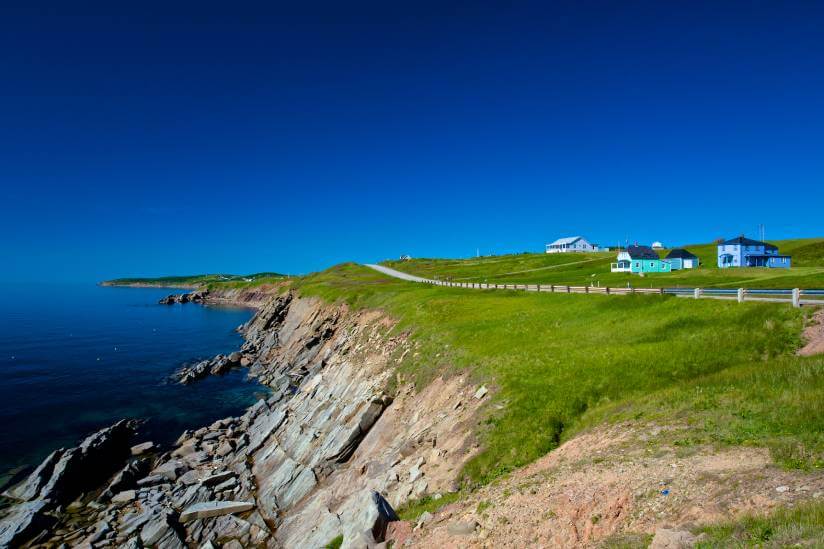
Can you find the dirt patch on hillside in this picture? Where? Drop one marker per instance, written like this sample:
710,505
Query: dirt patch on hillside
814,336
611,482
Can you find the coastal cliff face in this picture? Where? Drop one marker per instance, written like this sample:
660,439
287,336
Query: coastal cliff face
331,435
327,454
255,296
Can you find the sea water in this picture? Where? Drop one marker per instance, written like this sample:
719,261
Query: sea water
77,357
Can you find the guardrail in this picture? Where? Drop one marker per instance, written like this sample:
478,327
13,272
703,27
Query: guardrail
796,296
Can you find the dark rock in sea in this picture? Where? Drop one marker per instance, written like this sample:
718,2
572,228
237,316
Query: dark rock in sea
62,477
192,297
65,474
29,488
14,476
218,365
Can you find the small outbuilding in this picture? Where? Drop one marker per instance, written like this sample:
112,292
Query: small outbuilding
681,258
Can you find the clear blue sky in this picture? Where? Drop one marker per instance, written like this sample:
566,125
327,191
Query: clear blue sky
196,139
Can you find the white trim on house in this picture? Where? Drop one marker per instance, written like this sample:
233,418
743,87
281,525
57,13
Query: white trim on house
624,264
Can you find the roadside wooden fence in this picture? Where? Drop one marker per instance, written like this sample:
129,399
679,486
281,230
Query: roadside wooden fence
796,296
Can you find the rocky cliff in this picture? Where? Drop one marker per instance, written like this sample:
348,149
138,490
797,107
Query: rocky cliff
329,453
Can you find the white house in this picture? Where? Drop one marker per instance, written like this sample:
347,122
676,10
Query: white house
570,244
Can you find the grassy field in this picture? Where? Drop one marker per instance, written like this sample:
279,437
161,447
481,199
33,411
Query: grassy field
584,269
559,363
799,527
197,280
776,404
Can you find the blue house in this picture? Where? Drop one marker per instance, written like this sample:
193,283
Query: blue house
746,252
640,259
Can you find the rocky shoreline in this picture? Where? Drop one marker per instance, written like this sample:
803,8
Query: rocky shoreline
329,453
199,296
218,365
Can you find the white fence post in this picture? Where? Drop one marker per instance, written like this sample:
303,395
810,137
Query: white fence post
740,295
796,297
696,293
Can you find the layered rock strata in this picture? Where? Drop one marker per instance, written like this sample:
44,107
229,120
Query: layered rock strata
329,453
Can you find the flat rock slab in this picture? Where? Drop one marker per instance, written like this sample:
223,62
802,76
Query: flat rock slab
140,449
214,509
153,480
124,497
218,478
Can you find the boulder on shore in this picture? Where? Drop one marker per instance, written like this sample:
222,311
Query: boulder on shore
368,524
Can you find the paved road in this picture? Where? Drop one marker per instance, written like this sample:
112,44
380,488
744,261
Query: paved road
397,274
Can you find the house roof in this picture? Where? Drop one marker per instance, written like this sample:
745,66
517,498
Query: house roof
744,241
681,253
642,252
566,240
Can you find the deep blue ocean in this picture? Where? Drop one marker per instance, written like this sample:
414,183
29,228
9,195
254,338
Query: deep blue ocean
75,358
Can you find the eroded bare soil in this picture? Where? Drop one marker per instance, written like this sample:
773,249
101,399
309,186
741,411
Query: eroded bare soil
612,482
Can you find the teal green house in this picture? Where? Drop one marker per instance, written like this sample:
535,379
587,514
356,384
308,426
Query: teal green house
640,259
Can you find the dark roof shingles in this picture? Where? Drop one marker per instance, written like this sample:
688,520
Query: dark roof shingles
642,252
681,253
743,240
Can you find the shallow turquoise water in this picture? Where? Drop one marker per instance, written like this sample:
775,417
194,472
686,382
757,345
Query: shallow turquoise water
74,358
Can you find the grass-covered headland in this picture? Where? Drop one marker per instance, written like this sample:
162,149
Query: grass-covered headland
560,363
197,281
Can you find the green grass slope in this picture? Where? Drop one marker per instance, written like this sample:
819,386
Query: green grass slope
585,269
802,526
560,363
